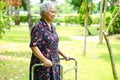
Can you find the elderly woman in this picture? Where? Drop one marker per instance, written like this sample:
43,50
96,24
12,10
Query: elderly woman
44,45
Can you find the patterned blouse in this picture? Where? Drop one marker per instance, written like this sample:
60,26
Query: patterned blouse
47,42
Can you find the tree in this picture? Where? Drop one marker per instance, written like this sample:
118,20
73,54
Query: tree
76,4
16,4
101,23
24,4
85,13
85,10
41,1
83,7
4,18
111,58
115,21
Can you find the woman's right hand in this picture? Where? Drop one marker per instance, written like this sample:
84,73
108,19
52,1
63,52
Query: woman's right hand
47,63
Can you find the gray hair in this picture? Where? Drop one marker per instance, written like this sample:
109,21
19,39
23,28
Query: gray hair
45,6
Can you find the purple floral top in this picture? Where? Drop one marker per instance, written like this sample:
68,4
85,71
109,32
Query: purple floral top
47,42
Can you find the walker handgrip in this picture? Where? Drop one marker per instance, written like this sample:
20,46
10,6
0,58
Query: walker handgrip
38,65
69,59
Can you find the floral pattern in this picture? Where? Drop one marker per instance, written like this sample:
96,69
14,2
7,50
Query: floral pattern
47,42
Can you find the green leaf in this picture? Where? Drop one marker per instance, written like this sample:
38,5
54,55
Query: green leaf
2,5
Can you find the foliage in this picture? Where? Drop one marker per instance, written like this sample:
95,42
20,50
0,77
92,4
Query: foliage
115,29
2,5
4,19
86,7
76,19
82,19
24,4
35,8
24,18
107,21
116,23
108,18
95,18
73,19
111,8
76,4
59,19
67,8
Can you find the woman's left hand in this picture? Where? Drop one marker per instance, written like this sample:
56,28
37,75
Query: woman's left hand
67,58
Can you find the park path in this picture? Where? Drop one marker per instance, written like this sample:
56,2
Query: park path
95,38
88,38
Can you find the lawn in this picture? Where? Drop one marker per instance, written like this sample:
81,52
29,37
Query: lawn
15,54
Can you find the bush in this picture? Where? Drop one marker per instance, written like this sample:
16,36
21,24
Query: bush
116,23
107,21
115,29
24,18
95,19
59,20
82,19
73,19
76,19
35,18
4,19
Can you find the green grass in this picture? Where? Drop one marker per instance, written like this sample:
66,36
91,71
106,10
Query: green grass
14,69
15,54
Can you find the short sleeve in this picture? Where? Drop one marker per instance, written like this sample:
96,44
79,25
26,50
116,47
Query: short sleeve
35,37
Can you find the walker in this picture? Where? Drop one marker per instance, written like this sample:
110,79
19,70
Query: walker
61,69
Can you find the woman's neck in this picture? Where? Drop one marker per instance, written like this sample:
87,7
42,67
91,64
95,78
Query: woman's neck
48,23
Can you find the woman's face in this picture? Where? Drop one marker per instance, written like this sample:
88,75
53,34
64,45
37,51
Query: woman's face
49,16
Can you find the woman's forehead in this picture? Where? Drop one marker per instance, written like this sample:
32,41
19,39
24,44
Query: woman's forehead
52,8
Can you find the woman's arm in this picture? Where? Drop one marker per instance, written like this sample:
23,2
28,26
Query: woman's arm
63,55
38,54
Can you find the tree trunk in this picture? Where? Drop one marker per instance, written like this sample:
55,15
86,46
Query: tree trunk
111,58
85,31
104,15
29,15
24,4
101,24
17,18
91,3
7,8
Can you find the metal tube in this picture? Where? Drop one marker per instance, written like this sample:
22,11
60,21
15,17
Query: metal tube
61,68
75,67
